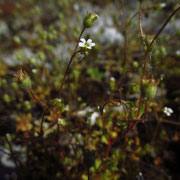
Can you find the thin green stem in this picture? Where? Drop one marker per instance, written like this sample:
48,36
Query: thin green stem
42,121
66,72
155,37
70,61
88,173
139,107
37,99
140,26
163,26
125,34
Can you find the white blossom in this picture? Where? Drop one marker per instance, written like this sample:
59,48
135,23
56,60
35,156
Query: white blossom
167,111
61,121
86,44
93,118
59,100
163,5
34,70
112,79
178,52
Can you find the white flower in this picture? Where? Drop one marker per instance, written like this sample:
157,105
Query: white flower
93,118
86,44
178,52
34,70
112,79
168,111
61,122
163,5
59,100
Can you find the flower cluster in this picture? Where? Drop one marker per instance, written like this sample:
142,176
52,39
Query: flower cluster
167,111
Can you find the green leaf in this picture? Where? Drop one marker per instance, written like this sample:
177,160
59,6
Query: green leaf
104,139
97,164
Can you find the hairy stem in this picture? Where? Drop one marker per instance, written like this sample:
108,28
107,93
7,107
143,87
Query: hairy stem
125,34
139,107
163,26
71,60
66,72
155,37
140,26
88,173
37,99
42,121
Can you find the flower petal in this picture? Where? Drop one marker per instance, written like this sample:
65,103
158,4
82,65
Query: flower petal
92,44
83,40
89,47
81,44
89,41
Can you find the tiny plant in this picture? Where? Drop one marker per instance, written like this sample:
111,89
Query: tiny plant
64,136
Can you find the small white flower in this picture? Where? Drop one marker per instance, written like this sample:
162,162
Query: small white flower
167,111
59,100
178,52
112,79
93,118
34,70
140,176
86,44
163,5
60,121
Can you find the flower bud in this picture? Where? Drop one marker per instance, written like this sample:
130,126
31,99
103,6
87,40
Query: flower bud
90,19
149,87
24,79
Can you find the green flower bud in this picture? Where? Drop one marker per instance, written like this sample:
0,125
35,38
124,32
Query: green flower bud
7,98
27,105
149,87
41,56
134,87
24,79
162,51
149,91
135,64
26,83
17,40
90,19
15,85
85,52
